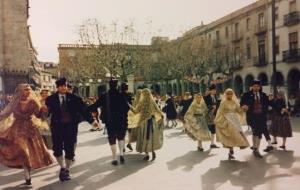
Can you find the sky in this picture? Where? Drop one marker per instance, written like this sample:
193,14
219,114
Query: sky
54,22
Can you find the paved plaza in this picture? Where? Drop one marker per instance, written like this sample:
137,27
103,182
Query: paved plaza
178,167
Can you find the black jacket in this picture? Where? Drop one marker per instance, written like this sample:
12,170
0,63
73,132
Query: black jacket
209,103
75,105
114,108
249,98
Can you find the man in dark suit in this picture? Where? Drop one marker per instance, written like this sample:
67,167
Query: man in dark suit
212,103
114,110
256,103
66,111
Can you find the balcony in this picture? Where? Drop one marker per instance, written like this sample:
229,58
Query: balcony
260,30
260,61
216,43
236,37
292,18
291,56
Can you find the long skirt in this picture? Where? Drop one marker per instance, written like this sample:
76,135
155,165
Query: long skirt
281,126
149,136
229,132
22,145
197,128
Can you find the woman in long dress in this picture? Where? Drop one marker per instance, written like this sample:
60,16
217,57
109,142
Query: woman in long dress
196,124
149,123
21,145
229,121
45,130
281,125
133,117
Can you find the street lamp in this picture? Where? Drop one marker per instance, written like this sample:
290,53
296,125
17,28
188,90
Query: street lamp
274,48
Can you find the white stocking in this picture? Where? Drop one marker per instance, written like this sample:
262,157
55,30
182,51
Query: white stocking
26,173
113,151
60,161
68,164
200,144
121,147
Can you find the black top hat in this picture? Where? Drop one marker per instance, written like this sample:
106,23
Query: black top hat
113,83
212,87
256,82
61,82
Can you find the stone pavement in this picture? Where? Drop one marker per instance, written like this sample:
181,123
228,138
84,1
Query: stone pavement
178,167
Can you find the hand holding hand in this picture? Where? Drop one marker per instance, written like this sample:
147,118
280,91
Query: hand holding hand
245,107
44,109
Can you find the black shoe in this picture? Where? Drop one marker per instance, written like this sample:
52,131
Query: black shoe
67,175
275,142
200,149
146,158
268,149
28,181
153,156
129,147
114,163
62,174
282,147
257,154
122,160
214,146
252,148
230,156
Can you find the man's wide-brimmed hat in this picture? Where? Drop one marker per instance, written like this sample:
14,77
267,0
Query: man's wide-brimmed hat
61,82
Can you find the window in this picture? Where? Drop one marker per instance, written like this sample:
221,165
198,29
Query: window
248,51
248,24
237,55
293,40
226,32
293,6
261,51
217,35
236,30
277,45
261,20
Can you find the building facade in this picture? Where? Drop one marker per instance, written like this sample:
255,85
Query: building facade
241,45
16,52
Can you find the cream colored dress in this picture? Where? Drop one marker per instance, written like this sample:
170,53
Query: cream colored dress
229,120
196,124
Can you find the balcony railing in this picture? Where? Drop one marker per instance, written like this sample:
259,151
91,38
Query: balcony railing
236,37
260,30
292,18
260,61
291,56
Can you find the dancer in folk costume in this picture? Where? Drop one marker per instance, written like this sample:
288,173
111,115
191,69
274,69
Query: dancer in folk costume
21,145
170,110
212,103
196,124
256,104
66,111
132,118
46,133
229,121
281,125
148,119
114,109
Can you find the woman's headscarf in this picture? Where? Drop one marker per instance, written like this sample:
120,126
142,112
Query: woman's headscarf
145,109
7,118
225,102
192,109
